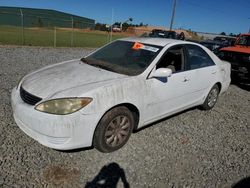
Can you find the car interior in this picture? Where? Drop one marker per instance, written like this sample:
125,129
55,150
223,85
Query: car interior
173,59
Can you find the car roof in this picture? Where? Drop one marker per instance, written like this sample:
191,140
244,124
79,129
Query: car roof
210,42
245,34
155,41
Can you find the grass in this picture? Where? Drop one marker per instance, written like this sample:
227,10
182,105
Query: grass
45,37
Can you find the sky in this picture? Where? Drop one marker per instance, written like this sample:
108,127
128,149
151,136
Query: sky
230,16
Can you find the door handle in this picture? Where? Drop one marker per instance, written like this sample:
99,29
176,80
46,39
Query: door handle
186,80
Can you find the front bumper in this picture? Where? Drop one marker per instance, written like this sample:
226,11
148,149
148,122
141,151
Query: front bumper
63,132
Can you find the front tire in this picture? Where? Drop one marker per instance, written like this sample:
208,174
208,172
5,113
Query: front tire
113,130
212,98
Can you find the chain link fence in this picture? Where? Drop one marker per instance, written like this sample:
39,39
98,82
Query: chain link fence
20,28
39,27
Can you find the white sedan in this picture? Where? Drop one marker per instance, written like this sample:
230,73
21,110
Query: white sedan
101,99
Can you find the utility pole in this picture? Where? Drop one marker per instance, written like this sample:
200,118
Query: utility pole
72,31
54,36
21,12
111,28
249,27
173,15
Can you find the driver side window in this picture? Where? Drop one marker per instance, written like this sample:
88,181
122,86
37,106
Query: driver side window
173,59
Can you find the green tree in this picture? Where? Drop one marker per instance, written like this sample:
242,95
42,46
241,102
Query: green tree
125,26
101,27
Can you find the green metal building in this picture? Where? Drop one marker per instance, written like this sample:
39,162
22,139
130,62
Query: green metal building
31,17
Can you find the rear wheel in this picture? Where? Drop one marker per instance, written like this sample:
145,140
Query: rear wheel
212,98
113,130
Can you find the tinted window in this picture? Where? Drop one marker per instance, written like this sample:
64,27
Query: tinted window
197,57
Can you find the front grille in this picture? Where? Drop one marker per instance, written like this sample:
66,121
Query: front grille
29,98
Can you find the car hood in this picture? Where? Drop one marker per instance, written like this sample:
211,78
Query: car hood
64,76
237,48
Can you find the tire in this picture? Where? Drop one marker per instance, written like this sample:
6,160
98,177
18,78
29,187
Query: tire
212,98
113,130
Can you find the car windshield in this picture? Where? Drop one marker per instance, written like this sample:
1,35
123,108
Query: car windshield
123,57
243,40
221,39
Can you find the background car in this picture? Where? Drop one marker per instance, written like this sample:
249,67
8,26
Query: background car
239,57
212,45
166,34
225,40
102,98
218,42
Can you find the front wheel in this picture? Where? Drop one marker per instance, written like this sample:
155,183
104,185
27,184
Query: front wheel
113,130
212,98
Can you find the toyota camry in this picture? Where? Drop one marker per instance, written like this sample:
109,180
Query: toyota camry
100,99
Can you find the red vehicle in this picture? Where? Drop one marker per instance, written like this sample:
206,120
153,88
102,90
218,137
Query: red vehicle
239,56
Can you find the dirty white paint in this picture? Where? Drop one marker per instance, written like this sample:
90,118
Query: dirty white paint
153,98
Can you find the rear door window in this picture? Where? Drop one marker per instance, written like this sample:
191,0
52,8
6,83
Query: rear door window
197,57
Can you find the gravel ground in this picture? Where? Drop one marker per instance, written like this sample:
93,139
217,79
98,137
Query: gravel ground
192,149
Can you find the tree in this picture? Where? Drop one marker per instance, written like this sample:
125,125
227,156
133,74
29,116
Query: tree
117,23
222,33
101,27
125,26
232,35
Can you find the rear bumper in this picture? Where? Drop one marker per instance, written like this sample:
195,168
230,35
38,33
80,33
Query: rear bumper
55,131
225,86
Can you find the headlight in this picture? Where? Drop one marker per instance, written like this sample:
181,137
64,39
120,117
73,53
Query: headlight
63,106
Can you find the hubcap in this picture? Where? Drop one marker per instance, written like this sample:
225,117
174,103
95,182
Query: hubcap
117,131
212,97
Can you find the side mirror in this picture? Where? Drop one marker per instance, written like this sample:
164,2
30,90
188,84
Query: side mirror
161,73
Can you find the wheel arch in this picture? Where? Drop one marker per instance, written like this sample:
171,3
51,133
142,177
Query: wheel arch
219,85
132,108
135,112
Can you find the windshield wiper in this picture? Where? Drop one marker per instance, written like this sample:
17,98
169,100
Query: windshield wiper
96,64
84,60
103,67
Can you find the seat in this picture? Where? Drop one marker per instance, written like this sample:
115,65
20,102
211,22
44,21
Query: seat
172,60
171,66
175,63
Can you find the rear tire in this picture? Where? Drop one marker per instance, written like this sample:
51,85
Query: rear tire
212,98
113,130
